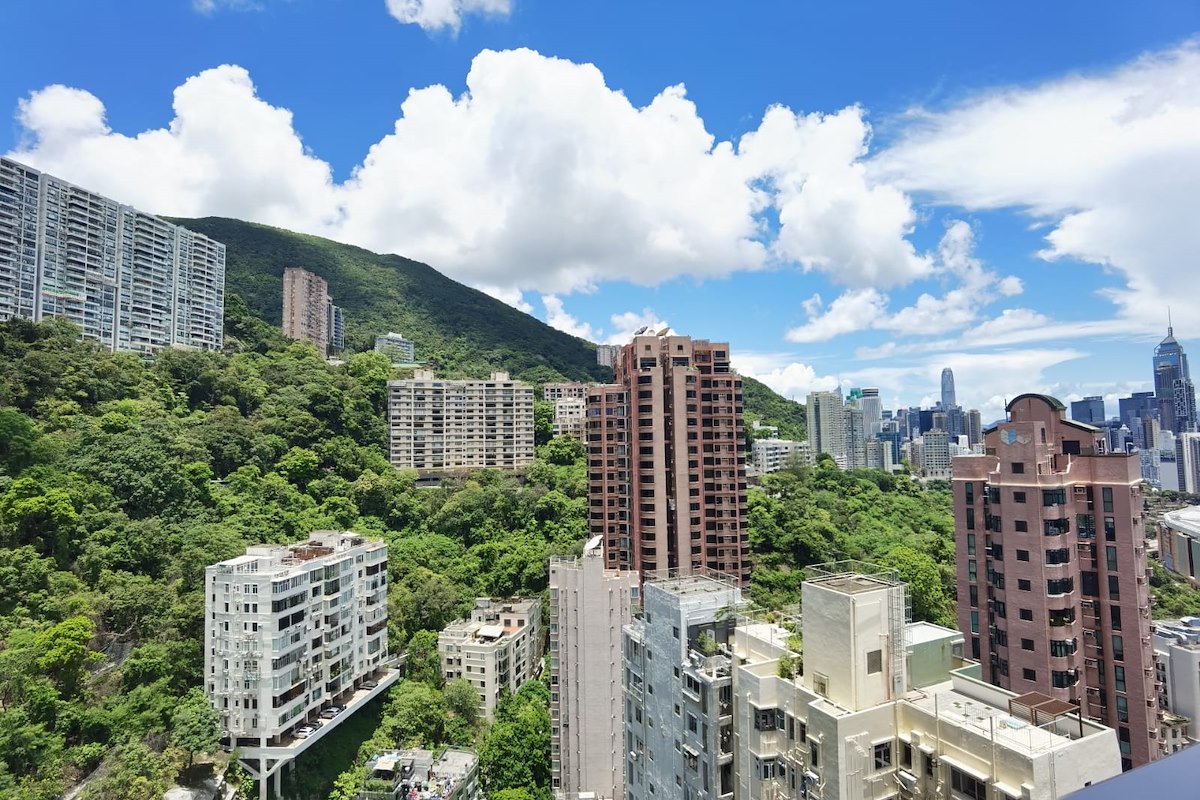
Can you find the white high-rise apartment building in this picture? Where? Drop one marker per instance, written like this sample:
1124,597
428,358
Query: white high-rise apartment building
288,631
443,425
497,650
861,704
827,425
872,408
1177,663
129,280
935,454
589,605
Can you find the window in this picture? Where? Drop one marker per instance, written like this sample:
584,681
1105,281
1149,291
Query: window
1062,679
970,544
1018,497
1029,674
1060,585
1089,584
814,755
1110,529
966,785
1022,555
1027,644
1106,497
1115,616
1020,526
1061,648
970,519
1122,709
1062,616
874,662
1114,588
1118,648
1026,614
969,491
972,571
974,622
1024,585
1110,558
973,594
1018,468
883,755
928,760
1054,497
764,720
1119,678
906,754
1060,555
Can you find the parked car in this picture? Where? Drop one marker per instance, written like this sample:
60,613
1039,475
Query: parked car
305,731
369,684
331,712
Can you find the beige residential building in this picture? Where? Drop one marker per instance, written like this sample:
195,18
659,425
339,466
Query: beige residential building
308,313
552,392
439,425
589,605
569,416
498,649
772,455
860,705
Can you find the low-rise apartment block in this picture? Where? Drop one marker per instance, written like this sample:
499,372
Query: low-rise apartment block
129,280
398,349
552,392
772,455
437,425
857,703
415,773
497,650
292,632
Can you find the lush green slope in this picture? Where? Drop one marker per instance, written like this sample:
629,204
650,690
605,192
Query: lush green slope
458,330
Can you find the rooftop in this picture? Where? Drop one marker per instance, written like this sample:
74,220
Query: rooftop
1186,519
1166,777
279,559
427,776
922,632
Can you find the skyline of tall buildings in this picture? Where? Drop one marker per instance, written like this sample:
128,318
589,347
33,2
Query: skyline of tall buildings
667,459
129,280
1052,575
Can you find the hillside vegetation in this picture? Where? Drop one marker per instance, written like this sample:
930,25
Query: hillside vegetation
458,331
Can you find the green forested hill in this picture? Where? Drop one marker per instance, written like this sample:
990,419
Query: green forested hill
458,330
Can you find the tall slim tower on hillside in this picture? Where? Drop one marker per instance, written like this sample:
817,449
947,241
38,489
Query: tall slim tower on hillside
948,398
667,459
1173,385
1053,593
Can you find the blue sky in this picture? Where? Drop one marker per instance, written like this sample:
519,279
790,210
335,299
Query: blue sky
855,193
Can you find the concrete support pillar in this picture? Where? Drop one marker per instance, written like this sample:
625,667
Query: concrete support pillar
279,782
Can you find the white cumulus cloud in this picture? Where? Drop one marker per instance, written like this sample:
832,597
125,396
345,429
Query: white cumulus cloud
1109,161
539,177
436,15
558,318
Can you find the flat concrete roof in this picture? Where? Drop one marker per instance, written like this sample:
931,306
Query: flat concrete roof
853,584
922,632
1185,519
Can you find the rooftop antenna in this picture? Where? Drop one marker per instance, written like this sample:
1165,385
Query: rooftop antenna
1170,327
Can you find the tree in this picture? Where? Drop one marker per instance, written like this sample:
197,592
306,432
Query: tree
195,725
462,699
423,662
543,422
65,656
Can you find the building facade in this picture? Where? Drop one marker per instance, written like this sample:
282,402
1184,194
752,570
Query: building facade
497,650
772,455
553,392
570,413
861,704
607,354
1171,377
1089,411
1177,661
827,425
308,312
439,425
1179,542
1052,572
265,610
935,454
1187,462
589,607
128,280
398,349
667,459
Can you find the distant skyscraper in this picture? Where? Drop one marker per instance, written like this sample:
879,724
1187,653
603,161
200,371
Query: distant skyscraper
974,427
667,489
827,425
1170,367
948,398
1089,410
872,408
129,280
